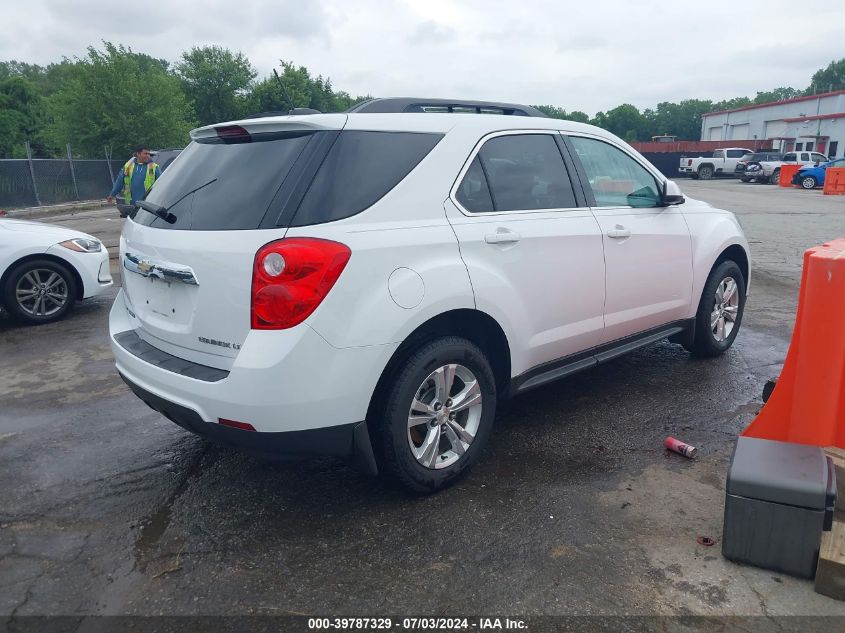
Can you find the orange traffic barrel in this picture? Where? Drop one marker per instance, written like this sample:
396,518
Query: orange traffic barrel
786,174
807,405
834,181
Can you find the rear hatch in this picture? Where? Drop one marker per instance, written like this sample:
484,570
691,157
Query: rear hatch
187,261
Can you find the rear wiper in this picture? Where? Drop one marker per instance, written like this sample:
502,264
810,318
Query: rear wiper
156,209
164,212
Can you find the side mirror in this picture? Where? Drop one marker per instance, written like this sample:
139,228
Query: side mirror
672,194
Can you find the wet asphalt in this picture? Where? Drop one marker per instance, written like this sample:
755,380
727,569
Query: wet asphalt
575,508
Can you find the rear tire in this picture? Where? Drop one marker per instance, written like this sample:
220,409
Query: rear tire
437,414
720,310
39,291
705,172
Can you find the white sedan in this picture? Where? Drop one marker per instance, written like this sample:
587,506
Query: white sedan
45,269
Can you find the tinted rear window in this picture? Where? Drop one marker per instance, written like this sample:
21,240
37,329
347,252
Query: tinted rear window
526,172
473,192
245,178
358,171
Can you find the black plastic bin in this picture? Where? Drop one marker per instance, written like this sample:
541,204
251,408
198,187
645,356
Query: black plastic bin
779,498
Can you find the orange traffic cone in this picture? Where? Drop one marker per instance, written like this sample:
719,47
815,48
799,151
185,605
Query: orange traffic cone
807,405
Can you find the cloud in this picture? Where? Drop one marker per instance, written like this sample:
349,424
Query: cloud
576,56
429,32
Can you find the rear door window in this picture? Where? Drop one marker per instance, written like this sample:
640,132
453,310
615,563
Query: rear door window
359,170
219,186
524,172
473,192
736,153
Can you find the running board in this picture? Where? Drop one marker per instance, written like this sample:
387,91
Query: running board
584,360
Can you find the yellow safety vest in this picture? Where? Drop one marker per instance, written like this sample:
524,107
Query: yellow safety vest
149,179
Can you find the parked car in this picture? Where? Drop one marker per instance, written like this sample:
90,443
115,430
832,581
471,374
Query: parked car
812,177
756,157
769,170
374,284
722,162
45,269
165,156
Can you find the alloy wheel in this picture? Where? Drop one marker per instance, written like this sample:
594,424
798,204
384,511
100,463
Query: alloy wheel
444,417
725,309
41,292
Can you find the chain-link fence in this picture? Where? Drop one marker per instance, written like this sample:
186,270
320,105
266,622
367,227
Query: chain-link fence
43,181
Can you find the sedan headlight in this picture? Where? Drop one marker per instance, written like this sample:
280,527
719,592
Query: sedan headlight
83,245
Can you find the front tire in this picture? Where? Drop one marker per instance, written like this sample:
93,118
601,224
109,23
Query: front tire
720,311
775,177
437,414
39,291
743,179
808,182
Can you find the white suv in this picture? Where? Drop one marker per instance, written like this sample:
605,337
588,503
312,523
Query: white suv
372,283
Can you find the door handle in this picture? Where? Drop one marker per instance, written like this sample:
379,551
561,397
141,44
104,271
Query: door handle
619,232
502,236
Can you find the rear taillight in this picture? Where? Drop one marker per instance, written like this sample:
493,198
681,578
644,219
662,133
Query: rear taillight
689,162
291,277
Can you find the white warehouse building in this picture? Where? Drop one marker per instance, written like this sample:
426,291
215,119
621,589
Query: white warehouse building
813,123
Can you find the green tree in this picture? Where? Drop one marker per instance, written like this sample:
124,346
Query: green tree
577,115
217,82
119,98
778,94
559,113
21,113
304,91
730,104
830,78
625,121
678,119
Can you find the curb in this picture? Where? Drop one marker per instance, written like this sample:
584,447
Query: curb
56,209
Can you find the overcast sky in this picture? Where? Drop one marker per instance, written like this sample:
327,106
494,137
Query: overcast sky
577,55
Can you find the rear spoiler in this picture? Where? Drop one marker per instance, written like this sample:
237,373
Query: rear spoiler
275,123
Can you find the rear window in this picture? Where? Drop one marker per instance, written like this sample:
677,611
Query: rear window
359,170
219,187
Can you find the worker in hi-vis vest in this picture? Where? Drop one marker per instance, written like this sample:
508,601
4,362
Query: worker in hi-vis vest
137,176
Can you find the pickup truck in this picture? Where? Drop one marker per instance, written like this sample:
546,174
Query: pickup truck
722,162
769,170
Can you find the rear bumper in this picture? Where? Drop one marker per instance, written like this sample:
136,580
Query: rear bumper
280,381
344,440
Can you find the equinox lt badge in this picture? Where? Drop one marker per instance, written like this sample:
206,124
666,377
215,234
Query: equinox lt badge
211,341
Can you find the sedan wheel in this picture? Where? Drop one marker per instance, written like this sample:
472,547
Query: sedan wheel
808,182
39,291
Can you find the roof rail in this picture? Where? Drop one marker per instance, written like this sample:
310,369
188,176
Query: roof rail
295,111
413,104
